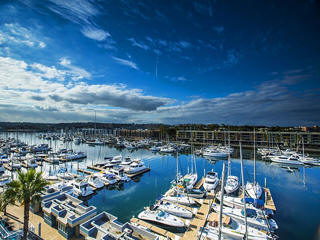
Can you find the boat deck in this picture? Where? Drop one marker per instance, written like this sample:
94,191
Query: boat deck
155,229
200,218
269,203
199,183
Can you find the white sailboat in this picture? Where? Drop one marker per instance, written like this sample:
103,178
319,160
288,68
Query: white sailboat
254,189
175,210
232,183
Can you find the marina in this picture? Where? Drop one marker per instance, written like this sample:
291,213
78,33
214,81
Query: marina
155,180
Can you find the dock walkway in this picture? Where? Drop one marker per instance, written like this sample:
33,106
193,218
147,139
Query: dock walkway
200,218
269,203
199,183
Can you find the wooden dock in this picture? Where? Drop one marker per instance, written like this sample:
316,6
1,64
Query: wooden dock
138,173
200,219
269,203
155,229
95,168
199,183
85,171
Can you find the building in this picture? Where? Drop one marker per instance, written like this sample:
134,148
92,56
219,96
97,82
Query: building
106,226
262,138
66,213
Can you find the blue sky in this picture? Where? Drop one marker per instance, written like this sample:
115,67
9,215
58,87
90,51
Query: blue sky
241,62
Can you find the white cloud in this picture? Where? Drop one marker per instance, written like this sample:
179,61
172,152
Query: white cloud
137,44
14,33
126,63
95,33
29,90
75,72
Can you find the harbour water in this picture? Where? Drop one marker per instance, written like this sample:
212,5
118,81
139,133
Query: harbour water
295,191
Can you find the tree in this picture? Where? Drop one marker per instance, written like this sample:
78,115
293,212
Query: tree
5,200
26,189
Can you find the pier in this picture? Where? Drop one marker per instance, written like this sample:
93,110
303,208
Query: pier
199,183
269,203
200,218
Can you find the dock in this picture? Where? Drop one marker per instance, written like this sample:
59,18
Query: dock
138,173
95,168
155,229
200,218
269,203
85,171
199,183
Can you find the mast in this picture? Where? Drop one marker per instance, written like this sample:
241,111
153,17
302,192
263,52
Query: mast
254,156
243,196
221,201
177,173
229,163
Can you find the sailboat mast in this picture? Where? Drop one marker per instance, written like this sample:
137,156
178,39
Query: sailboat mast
244,197
221,202
254,156
229,165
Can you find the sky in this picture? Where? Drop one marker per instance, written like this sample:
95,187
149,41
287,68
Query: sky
172,62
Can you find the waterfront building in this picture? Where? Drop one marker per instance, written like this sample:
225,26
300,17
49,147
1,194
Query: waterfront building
107,226
66,213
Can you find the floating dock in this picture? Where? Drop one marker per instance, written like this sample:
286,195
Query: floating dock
138,173
200,218
95,168
199,183
85,171
269,203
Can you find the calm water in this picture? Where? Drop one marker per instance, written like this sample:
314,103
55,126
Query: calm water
296,192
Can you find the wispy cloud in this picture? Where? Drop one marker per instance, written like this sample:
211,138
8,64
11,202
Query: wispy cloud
14,33
126,63
95,33
137,44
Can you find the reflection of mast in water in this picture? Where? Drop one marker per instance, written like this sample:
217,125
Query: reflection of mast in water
304,177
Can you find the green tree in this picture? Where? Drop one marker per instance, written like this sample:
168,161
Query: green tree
26,189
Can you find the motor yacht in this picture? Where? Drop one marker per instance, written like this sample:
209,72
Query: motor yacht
161,217
211,181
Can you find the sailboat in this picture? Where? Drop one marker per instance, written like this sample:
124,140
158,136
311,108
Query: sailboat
232,183
179,198
254,189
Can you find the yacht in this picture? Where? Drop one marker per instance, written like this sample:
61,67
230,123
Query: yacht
4,180
211,181
136,167
116,160
2,169
77,140
174,210
167,149
109,178
254,218
232,184
119,172
254,190
126,161
161,217
31,163
286,159
81,188
180,199
94,181
236,230
64,174
218,153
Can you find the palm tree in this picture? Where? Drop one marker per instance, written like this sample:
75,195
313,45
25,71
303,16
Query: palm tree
26,189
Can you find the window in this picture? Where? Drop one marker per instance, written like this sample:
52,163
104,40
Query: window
61,227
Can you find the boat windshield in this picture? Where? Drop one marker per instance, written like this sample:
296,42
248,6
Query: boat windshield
161,214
